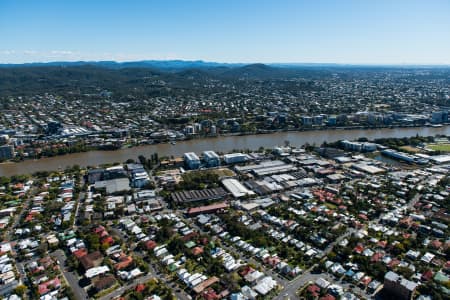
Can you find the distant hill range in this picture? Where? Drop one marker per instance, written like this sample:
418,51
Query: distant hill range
155,64
153,77
190,64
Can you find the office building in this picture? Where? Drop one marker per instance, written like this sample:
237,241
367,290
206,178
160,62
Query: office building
6,152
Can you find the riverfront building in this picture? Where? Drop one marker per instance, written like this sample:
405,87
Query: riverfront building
211,159
191,160
234,158
438,117
6,152
307,121
404,157
359,147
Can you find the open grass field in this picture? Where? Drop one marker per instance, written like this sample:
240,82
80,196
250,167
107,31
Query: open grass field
410,149
439,147
224,172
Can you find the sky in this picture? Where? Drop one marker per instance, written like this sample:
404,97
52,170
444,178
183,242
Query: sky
246,31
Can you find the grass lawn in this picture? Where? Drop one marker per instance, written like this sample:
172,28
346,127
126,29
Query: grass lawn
223,172
330,205
439,147
410,149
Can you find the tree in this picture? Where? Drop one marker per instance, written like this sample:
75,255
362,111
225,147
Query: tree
164,233
20,290
93,241
4,180
176,245
405,272
231,281
142,159
42,249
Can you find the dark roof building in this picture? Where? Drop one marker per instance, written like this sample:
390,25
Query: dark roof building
91,260
104,283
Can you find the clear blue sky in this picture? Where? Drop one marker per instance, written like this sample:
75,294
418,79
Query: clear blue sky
322,31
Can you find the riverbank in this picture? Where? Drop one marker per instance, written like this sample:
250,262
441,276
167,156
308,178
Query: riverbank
219,144
229,134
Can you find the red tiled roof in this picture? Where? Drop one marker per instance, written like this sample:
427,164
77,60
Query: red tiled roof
197,250
246,271
376,257
366,280
43,288
99,229
363,216
272,260
313,290
108,240
80,253
140,288
202,286
150,245
427,275
382,244
393,263
327,297
358,249
189,236
125,261
207,208
210,294
436,244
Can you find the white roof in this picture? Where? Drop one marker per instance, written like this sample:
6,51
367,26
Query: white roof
191,156
440,159
92,272
236,188
211,154
265,285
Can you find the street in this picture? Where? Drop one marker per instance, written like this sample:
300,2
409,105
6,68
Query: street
70,277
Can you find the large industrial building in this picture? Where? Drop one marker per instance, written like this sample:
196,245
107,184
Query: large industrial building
199,195
236,188
234,158
404,157
369,169
267,168
208,209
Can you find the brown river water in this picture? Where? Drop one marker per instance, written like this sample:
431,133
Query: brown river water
220,144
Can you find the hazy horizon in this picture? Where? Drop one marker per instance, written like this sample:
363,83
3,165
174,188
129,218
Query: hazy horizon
287,64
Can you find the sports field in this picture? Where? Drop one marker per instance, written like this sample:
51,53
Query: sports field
439,147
